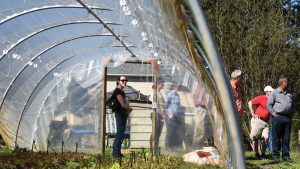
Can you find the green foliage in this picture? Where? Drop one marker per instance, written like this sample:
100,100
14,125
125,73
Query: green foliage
115,166
4,149
28,159
89,161
90,158
256,37
72,165
253,38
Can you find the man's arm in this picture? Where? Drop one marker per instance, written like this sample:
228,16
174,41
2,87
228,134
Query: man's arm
161,110
270,104
251,109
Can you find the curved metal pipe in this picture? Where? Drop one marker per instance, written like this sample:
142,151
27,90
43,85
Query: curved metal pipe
37,85
32,59
48,28
223,87
45,8
21,116
83,53
105,25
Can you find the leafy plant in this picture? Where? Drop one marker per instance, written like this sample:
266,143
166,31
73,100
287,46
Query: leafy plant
90,159
4,149
116,165
72,165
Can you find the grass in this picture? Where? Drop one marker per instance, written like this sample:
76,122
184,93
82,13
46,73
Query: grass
268,164
23,158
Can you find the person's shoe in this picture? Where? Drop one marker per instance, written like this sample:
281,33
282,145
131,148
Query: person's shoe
263,156
287,159
275,159
257,157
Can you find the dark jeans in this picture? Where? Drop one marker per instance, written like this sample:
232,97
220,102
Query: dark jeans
175,133
159,127
281,132
121,127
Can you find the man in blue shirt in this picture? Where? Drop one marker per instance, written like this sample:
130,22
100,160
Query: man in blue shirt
281,105
175,119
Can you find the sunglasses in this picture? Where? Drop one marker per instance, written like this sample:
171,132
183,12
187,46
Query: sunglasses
124,81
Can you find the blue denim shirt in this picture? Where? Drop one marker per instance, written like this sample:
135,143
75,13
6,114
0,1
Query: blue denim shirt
173,103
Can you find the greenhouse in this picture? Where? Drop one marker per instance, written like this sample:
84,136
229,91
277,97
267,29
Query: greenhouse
60,60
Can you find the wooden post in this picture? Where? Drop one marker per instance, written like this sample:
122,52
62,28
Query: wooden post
102,118
154,105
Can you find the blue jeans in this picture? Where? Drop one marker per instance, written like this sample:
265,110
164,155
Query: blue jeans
175,133
121,127
281,132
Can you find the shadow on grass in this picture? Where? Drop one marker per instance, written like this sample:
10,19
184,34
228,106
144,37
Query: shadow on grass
252,157
268,164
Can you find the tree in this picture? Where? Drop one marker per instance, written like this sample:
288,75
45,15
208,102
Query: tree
258,37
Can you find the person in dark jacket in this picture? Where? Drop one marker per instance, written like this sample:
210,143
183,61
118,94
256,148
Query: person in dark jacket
121,113
175,119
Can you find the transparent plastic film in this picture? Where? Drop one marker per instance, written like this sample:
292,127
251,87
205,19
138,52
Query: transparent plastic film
53,60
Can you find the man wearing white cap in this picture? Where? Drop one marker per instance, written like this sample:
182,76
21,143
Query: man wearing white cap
259,122
235,81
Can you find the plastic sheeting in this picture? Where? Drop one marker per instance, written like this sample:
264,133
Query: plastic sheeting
191,119
52,59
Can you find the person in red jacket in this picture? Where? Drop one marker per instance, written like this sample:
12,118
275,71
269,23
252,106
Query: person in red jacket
259,122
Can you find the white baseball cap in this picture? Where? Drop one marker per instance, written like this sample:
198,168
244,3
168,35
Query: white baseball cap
236,73
268,89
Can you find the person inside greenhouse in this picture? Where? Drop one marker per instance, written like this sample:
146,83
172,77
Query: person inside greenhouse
160,113
175,119
235,81
281,105
122,112
259,122
203,131
58,131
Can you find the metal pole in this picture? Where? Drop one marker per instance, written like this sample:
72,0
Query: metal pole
223,88
48,144
62,147
144,154
33,143
106,26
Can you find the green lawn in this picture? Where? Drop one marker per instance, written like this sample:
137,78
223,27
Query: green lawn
266,164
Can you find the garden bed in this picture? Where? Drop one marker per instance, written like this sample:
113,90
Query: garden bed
23,158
